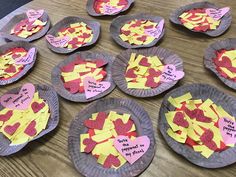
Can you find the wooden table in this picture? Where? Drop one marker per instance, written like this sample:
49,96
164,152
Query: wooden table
48,156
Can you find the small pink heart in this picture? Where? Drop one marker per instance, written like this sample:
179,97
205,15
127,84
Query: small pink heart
34,14
109,10
228,130
155,32
11,129
93,88
21,100
29,58
30,129
57,41
132,150
217,13
170,74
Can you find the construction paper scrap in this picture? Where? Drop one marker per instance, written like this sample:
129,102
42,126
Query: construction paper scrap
93,88
57,41
170,74
228,130
132,150
155,32
29,58
21,100
217,14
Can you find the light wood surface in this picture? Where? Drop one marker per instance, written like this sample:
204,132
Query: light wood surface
48,156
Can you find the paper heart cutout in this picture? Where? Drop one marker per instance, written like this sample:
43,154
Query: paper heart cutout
93,88
109,10
151,82
73,86
11,69
98,123
37,107
217,14
155,32
110,161
144,62
132,150
57,41
130,73
7,116
21,100
11,129
170,74
34,14
228,130
30,129
68,67
207,139
90,145
122,128
29,58
180,121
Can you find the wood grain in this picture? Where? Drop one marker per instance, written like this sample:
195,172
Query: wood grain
48,156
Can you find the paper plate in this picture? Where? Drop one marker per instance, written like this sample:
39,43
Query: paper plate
4,48
80,97
92,12
95,26
225,21
86,164
5,32
199,91
120,64
118,22
46,93
210,54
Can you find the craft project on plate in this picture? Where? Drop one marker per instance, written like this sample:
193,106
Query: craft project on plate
26,114
72,33
112,139
28,26
197,122
203,17
84,76
137,31
16,59
220,58
107,7
147,72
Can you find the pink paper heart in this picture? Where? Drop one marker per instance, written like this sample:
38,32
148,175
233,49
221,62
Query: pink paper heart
132,150
217,14
155,32
93,88
34,14
21,100
108,9
228,130
57,41
170,74
29,58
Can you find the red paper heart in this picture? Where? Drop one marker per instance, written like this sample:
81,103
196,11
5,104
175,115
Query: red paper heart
122,128
130,74
98,123
73,86
30,129
90,145
37,107
100,63
111,160
144,62
68,68
5,117
211,145
207,136
10,69
151,82
11,129
179,120
154,73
